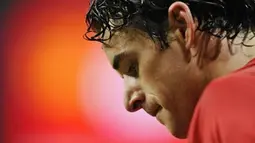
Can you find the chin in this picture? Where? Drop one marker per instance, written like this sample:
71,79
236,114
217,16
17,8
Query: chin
177,125
180,132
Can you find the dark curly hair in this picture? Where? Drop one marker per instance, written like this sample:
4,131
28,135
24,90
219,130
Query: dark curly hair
221,18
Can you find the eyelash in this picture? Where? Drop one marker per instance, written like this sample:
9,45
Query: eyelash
133,70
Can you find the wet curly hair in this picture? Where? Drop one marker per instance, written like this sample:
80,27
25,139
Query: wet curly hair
221,18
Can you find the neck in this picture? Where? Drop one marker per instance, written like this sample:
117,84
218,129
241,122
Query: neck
228,62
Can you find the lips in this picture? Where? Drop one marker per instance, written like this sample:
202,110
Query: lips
159,117
157,111
153,109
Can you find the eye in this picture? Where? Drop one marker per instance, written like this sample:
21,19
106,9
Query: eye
133,70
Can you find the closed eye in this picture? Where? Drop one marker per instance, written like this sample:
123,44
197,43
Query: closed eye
133,70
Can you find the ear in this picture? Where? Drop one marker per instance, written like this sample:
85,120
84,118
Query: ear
181,18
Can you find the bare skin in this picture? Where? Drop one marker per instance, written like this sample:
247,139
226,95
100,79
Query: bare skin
167,84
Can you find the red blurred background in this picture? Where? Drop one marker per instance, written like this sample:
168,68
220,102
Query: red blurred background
58,87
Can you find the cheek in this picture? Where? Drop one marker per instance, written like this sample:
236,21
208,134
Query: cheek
163,75
165,80
156,79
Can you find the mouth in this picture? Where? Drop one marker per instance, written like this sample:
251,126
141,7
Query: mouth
158,117
155,112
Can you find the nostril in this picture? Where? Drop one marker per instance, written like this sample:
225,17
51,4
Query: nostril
137,105
134,100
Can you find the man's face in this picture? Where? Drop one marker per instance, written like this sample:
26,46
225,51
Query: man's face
162,82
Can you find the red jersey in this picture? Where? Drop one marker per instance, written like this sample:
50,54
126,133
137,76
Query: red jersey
225,112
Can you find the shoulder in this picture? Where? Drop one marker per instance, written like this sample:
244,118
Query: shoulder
239,82
227,104
229,95
231,89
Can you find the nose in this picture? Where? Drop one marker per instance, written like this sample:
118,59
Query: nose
134,96
135,101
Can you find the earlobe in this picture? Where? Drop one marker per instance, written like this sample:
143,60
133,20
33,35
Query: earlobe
181,18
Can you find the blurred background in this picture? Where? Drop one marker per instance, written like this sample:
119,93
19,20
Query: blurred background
58,87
